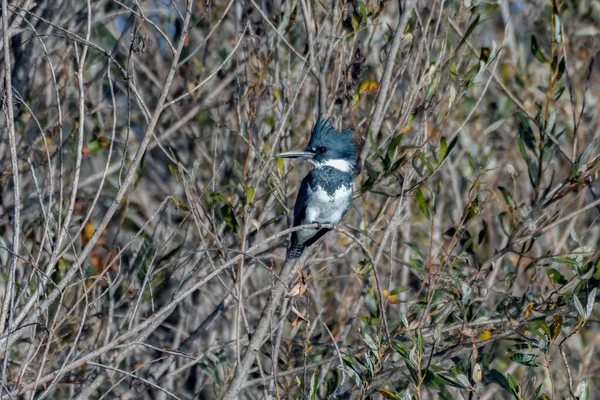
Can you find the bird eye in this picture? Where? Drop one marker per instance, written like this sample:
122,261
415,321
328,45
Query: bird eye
321,150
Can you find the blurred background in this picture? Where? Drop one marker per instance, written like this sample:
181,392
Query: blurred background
140,250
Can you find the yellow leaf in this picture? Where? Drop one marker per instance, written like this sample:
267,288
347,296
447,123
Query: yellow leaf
407,129
179,204
387,394
276,93
485,334
86,234
280,167
391,297
367,86
529,308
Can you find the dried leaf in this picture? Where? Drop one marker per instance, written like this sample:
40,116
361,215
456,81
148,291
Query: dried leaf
477,373
556,325
299,288
299,315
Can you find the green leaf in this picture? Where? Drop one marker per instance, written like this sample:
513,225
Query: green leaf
355,21
526,132
393,145
525,359
494,375
370,320
403,319
426,163
514,386
537,52
556,277
501,221
468,32
451,146
520,346
521,147
432,87
314,384
559,92
422,203
3,253
229,217
532,169
561,69
174,172
371,303
363,9
471,164
458,381
443,148
493,127
579,307
398,290
93,146
507,196
584,390
369,342
250,194
352,374
420,342
213,197
406,395
541,323
590,303
537,392
374,144
387,394
582,158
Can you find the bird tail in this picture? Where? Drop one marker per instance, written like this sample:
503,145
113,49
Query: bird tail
295,250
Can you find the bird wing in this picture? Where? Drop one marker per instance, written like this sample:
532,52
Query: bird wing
302,200
295,250
300,213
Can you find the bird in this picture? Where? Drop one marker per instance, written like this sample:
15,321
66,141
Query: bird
326,191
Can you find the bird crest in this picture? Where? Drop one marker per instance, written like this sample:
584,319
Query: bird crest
325,135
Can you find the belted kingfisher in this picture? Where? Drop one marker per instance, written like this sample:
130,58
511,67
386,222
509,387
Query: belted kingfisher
326,192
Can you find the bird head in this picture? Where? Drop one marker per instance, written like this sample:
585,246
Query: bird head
327,146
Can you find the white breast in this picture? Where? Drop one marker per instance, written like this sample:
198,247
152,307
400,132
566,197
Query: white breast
328,209
325,209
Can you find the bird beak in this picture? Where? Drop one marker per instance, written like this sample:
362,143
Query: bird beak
296,154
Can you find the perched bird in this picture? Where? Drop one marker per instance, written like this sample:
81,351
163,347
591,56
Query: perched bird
326,192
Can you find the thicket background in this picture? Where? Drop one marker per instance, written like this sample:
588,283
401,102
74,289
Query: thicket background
144,217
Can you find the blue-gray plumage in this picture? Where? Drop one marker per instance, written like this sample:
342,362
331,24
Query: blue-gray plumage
326,192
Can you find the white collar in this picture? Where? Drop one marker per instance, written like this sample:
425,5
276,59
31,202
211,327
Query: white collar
339,164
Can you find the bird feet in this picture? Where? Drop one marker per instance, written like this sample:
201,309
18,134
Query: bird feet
319,225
